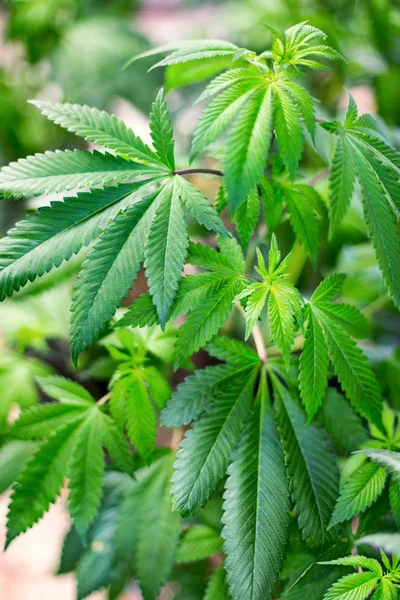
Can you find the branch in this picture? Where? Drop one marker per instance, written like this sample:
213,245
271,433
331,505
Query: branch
190,171
104,399
319,176
257,337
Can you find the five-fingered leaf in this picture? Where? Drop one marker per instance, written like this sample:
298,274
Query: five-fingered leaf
284,301
359,586
72,433
295,46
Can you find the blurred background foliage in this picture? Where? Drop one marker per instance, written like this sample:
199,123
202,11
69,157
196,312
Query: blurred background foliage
74,50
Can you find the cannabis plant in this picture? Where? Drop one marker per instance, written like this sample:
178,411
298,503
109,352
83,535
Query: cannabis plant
256,476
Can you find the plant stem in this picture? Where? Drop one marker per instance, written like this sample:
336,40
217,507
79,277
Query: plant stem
104,399
207,171
376,305
319,176
257,337
259,343
176,438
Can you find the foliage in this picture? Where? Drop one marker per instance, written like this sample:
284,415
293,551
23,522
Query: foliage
278,388
362,584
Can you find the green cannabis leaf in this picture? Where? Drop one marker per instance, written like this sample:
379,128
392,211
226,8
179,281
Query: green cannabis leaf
284,300
329,331
73,433
361,585
362,153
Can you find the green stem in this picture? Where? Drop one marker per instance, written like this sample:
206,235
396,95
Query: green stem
376,305
297,261
257,336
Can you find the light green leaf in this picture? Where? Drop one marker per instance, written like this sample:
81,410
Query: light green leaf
204,322
220,112
385,458
227,263
224,80
195,289
216,587
199,542
188,50
255,305
140,415
357,586
329,288
161,131
359,492
247,148
101,128
232,351
14,455
63,171
385,591
142,313
65,390
39,422
357,560
166,250
281,321
304,103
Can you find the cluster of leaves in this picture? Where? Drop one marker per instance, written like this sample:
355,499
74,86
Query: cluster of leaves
136,390
373,580
265,431
366,480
